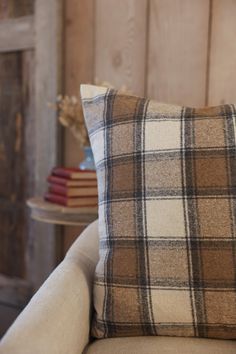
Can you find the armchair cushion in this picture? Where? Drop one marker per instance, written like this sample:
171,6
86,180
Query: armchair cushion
57,319
167,188
161,345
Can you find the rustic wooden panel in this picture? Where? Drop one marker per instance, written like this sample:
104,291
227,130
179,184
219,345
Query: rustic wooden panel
12,222
120,40
48,81
79,37
28,100
28,90
222,73
14,295
79,68
178,42
16,8
42,253
16,34
78,59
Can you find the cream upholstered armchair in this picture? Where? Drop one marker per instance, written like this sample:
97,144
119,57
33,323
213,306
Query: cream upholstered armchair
57,319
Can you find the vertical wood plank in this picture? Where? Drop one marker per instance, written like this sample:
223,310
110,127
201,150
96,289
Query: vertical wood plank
78,59
178,44
48,82
79,44
48,29
28,85
16,110
28,101
12,191
222,73
120,41
79,68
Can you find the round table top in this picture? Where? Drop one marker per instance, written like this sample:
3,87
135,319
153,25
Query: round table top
44,211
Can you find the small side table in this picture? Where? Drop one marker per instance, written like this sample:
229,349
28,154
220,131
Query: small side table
60,215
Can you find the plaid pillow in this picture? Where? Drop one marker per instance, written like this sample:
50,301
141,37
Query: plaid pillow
167,204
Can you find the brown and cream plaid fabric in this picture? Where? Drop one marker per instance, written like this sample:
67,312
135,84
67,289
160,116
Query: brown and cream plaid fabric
167,204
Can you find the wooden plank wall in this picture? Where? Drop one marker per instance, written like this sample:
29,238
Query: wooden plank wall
120,43
30,78
176,51
16,138
78,59
12,225
78,67
178,44
44,251
16,71
222,73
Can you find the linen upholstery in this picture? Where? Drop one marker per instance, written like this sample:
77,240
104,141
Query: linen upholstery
166,179
161,345
57,319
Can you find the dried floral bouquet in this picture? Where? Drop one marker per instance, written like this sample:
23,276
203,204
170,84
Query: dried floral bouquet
70,114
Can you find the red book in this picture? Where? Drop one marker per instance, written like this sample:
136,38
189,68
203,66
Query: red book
73,192
73,173
72,183
71,202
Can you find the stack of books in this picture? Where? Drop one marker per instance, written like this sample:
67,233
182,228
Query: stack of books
72,187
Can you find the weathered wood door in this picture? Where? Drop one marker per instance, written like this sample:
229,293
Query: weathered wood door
29,79
16,80
16,170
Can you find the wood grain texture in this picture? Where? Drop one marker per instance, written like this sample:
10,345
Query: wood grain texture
48,31
17,34
28,100
28,78
12,191
79,27
178,43
120,41
79,44
222,73
16,8
78,61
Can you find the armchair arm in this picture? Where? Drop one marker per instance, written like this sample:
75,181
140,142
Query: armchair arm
57,319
